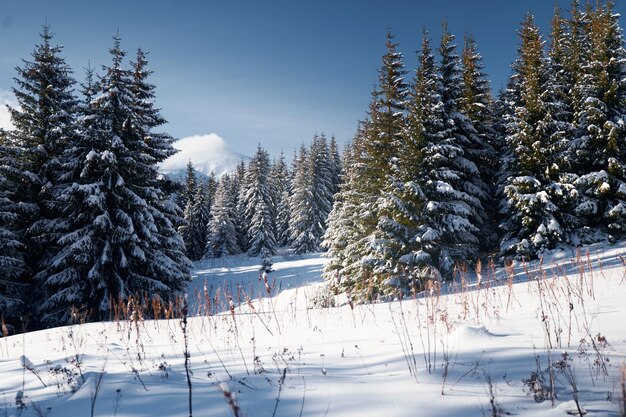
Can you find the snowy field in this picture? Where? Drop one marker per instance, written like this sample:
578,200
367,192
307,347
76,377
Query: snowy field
461,350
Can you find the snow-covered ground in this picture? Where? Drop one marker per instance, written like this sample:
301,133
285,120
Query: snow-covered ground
457,351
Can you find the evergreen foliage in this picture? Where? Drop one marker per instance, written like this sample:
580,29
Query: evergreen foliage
258,206
438,174
12,256
531,219
221,234
43,127
120,238
301,205
197,217
600,151
280,179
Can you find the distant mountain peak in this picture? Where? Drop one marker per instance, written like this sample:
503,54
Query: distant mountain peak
208,153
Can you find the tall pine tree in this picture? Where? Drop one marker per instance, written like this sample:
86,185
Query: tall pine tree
600,153
121,238
43,127
530,214
258,206
12,251
222,235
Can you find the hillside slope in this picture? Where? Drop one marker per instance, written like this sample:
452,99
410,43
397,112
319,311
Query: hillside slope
464,349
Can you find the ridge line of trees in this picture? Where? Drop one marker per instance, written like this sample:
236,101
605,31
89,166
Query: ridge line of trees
263,205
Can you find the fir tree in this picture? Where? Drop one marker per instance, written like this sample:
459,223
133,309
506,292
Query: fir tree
44,127
258,205
402,255
14,269
301,204
321,175
241,227
600,153
222,236
120,235
280,180
383,134
476,104
189,186
531,216
211,188
448,233
194,232
336,170
345,239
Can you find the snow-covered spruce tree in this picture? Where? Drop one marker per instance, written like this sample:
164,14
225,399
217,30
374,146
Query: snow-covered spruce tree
43,127
211,188
321,173
280,179
452,196
120,226
239,218
383,135
194,231
222,236
600,149
188,187
476,103
406,256
283,215
562,98
258,205
530,215
153,148
14,269
355,260
301,205
336,165
345,239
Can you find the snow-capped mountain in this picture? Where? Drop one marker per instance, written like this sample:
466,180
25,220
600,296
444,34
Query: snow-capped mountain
208,153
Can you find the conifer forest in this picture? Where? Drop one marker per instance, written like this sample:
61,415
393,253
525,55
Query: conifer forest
462,252
441,172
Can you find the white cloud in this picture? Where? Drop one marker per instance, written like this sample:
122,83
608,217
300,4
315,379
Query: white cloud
5,119
208,153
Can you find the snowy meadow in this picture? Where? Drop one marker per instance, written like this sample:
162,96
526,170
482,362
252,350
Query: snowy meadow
544,338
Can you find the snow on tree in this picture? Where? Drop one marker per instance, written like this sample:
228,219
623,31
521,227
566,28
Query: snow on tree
383,135
476,104
336,169
401,253
189,186
257,202
120,238
211,188
530,220
14,268
239,219
321,174
221,234
312,191
447,232
283,215
302,206
266,262
43,124
194,231
345,239
280,179
599,151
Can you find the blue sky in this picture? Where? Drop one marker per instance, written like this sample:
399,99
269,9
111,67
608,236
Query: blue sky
273,72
